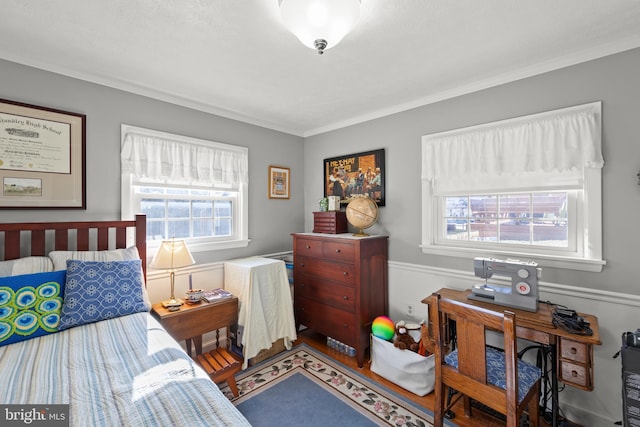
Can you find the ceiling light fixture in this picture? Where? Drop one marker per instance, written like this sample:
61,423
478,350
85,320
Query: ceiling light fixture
320,24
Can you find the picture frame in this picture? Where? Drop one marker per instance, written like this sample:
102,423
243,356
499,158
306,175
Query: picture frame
42,157
279,182
359,175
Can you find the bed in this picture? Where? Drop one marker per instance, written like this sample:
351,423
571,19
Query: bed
82,334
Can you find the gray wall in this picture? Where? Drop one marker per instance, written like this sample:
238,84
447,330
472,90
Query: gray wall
613,80
270,221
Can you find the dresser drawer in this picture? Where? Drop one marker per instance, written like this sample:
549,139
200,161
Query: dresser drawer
335,271
327,320
572,350
575,374
339,296
344,252
309,247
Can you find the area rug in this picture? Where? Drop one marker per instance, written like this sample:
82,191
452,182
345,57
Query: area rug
305,387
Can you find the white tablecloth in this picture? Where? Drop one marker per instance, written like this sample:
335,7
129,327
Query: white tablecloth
266,307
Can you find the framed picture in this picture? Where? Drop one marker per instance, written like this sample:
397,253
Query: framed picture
42,157
355,175
279,182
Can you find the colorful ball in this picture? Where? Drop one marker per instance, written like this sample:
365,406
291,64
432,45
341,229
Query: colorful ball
383,328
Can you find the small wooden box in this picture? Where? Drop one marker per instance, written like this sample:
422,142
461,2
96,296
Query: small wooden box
332,222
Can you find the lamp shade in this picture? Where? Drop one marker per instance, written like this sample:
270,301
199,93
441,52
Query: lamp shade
172,254
320,24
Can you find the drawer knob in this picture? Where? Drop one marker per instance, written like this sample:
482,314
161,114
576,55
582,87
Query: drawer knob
308,246
344,273
302,264
345,325
302,285
574,374
337,251
345,297
574,350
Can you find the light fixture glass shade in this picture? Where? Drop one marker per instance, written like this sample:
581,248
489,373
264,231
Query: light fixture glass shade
320,24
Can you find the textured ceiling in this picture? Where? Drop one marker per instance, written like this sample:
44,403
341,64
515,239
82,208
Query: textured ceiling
234,58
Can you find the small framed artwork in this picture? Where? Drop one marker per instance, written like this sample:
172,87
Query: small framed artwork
279,182
355,175
42,157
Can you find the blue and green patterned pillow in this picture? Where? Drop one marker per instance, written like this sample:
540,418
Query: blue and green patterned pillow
100,290
30,305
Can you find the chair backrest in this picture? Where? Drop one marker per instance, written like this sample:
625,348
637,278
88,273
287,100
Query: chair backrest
470,377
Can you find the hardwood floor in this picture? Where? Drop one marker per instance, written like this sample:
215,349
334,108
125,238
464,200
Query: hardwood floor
479,418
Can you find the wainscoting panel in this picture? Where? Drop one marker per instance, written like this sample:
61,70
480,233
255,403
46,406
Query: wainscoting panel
410,283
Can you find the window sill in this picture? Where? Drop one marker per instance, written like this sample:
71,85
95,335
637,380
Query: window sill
554,261
205,246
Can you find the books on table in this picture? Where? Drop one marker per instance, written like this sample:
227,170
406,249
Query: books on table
216,294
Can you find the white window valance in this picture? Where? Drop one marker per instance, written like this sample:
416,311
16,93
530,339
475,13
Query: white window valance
163,157
514,153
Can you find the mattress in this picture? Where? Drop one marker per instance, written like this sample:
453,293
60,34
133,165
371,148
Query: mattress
125,371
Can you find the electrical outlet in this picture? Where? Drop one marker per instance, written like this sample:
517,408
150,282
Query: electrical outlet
409,309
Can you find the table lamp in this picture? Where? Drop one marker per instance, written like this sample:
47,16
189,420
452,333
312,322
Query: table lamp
172,255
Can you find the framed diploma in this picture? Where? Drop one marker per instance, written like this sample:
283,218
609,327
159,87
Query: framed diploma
42,157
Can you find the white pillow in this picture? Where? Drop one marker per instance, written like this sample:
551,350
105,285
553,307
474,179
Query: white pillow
27,265
60,258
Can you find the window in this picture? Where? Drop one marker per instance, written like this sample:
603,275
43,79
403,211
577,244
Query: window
525,219
527,188
190,189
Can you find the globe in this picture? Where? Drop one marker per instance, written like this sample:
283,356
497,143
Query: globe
362,212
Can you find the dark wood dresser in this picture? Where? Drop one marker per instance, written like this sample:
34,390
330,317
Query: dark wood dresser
340,285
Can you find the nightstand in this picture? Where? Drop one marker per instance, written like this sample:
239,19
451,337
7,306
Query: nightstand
192,321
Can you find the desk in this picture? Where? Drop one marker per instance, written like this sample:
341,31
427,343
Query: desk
571,354
266,307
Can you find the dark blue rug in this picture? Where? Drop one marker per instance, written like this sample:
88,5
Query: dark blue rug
301,395
303,387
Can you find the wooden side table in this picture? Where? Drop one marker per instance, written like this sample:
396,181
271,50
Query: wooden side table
192,321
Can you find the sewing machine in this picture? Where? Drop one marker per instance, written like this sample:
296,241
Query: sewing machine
523,291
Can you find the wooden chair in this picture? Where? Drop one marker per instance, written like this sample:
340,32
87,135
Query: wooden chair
497,379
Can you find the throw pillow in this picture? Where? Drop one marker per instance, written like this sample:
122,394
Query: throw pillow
97,291
60,258
30,305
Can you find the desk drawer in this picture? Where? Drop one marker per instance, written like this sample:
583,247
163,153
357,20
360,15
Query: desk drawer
575,374
334,271
339,296
575,363
576,351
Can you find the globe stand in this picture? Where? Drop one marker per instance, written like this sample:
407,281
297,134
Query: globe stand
360,234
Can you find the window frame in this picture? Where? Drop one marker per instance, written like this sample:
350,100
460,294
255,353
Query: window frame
587,255
131,200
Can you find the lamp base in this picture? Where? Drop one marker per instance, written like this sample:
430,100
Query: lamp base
176,302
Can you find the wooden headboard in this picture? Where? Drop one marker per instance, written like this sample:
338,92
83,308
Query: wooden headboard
42,242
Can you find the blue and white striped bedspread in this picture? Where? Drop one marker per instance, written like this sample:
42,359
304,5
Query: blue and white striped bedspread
121,372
